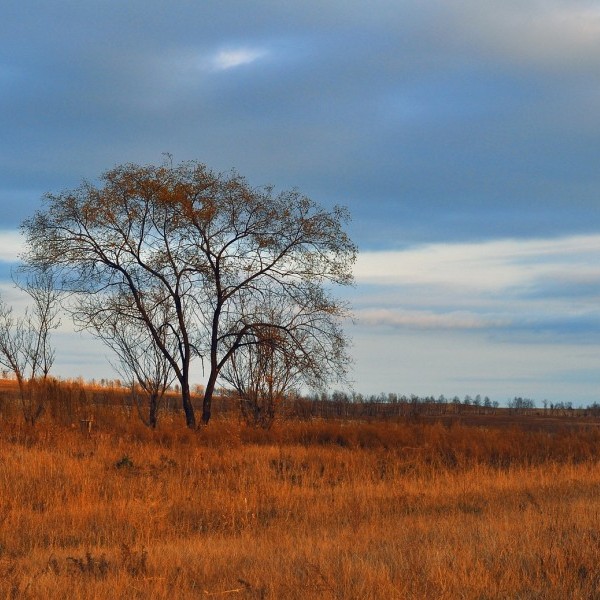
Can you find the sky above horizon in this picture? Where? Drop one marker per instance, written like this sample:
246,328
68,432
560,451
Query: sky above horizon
463,136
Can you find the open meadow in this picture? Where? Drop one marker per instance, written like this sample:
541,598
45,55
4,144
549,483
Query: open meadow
402,508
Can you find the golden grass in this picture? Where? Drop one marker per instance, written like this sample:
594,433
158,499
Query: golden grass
307,510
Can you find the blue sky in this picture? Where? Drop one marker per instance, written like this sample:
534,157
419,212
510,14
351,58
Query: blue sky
464,137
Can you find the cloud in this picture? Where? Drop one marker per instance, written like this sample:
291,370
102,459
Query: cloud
417,319
491,265
11,245
237,57
553,34
519,288
425,117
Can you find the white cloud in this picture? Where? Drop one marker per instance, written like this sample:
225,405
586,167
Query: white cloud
235,57
11,245
550,285
185,71
485,266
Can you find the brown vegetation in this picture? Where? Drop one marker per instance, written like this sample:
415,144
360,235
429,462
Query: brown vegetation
308,509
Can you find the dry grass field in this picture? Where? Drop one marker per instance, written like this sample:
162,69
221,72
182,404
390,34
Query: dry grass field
316,509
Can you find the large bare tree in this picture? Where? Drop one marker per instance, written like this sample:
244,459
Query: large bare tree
187,242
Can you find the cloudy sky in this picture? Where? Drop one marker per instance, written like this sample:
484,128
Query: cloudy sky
464,137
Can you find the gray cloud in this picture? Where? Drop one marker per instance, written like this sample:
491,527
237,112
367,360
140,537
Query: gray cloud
419,319
430,119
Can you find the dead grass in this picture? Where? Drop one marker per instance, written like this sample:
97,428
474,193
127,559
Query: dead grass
307,510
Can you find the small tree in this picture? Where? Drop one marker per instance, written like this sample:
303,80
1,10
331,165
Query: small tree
140,362
285,348
260,375
25,347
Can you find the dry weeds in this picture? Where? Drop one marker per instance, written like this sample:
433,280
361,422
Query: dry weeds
307,510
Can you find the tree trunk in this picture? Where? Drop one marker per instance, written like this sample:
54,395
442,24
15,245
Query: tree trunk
153,411
188,409
208,394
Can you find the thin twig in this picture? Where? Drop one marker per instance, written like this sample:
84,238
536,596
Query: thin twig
233,591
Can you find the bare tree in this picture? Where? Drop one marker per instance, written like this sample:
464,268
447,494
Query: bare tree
260,376
141,363
25,347
285,349
194,242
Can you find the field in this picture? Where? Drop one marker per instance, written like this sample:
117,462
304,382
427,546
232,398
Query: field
310,509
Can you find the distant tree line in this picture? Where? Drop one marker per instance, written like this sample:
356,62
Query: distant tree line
75,399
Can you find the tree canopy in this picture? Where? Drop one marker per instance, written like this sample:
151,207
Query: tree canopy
191,257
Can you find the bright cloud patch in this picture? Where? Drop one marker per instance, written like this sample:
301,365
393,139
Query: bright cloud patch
493,265
11,245
543,285
232,58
